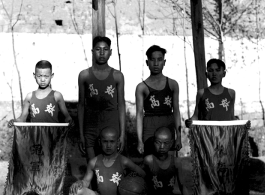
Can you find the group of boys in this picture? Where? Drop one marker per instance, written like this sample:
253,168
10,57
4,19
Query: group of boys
101,118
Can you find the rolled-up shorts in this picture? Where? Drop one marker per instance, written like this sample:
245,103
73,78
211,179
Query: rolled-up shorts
150,124
95,121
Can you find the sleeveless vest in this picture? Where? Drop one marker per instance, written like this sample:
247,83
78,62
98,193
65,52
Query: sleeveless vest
158,102
163,180
108,178
44,110
216,107
101,95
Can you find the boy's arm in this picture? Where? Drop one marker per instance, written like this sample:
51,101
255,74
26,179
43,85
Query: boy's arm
139,116
188,122
25,111
127,163
121,105
85,182
81,104
59,99
233,96
176,113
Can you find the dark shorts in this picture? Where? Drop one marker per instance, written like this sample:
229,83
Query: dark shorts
151,123
96,121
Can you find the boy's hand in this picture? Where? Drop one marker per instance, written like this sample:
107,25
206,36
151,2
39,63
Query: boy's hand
178,144
78,185
11,123
188,122
248,125
121,145
140,147
82,147
71,123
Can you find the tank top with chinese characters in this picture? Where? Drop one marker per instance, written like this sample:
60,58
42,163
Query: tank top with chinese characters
216,107
162,181
158,102
44,110
101,94
108,178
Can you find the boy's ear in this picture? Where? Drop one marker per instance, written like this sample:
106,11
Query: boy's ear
34,75
206,74
52,75
118,144
224,74
146,61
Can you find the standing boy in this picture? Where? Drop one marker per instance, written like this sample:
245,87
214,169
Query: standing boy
101,97
157,102
163,169
216,103
43,104
109,167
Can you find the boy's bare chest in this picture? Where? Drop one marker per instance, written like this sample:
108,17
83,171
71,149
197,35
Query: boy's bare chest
42,95
157,85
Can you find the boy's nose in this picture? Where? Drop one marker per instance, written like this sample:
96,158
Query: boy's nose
162,145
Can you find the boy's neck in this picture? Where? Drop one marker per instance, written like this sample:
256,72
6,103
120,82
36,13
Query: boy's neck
111,156
156,76
47,89
217,86
100,67
108,160
162,157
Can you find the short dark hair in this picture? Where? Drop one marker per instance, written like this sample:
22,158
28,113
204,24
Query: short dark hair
43,64
219,63
154,48
98,39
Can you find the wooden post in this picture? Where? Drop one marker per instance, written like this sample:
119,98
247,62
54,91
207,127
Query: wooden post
198,42
98,18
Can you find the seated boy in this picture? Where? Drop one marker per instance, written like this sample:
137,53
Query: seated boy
163,169
109,167
43,104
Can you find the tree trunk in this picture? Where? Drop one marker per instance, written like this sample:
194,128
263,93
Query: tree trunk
117,31
198,42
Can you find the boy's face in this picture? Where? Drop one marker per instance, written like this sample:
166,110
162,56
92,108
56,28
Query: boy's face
43,77
215,74
163,142
101,53
156,62
109,142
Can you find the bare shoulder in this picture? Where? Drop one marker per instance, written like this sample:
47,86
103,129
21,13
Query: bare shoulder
177,162
58,96
148,160
232,93
84,74
28,96
173,84
92,162
200,92
118,75
141,87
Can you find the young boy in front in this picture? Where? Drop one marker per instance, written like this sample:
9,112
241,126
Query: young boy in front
101,97
108,167
157,102
162,169
44,104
